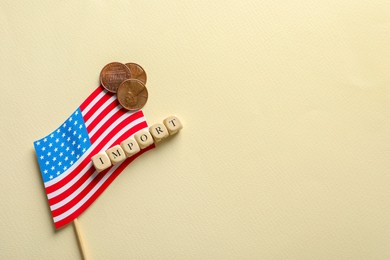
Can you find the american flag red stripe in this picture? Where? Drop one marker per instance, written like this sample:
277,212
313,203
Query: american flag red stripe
91,97
91,114
90,170
105,143
107,124
94,196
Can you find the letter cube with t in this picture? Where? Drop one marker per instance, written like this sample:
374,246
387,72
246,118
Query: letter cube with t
144,139
101,161
116,154
130,146
159,132
173,124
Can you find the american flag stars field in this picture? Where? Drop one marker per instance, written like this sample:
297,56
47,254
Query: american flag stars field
62,148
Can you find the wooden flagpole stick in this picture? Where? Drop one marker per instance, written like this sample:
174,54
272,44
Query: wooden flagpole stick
80,239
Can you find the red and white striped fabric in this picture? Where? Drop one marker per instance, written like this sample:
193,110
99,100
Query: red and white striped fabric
64,156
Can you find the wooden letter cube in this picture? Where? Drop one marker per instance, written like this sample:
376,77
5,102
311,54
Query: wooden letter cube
101,161
173,124
130,146
159,132
116,154
144,139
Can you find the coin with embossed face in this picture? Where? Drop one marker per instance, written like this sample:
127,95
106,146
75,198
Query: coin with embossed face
137,72
132,94
113,74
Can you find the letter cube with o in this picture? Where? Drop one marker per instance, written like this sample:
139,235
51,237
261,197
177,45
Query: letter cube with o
144,139
101,161
116,154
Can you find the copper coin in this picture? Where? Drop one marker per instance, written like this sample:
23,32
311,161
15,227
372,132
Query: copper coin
113,74
137,72
132,94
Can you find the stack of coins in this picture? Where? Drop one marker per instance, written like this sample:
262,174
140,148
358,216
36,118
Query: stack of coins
128,82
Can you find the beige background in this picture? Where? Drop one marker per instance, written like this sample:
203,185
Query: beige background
285,152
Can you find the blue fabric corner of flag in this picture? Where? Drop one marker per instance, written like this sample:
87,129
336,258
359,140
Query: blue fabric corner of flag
63,147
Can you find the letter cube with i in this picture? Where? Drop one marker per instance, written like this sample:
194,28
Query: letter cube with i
173,124
144,139
159,132
101,161
130,146
116,154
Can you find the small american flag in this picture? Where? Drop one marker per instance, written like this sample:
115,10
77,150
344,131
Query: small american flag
64,156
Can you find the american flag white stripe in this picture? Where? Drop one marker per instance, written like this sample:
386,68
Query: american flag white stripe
72,182
75,211
88,166
94,101
107,124
81,202
66,207
78,169
100,109
105,119
101,93
92,148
